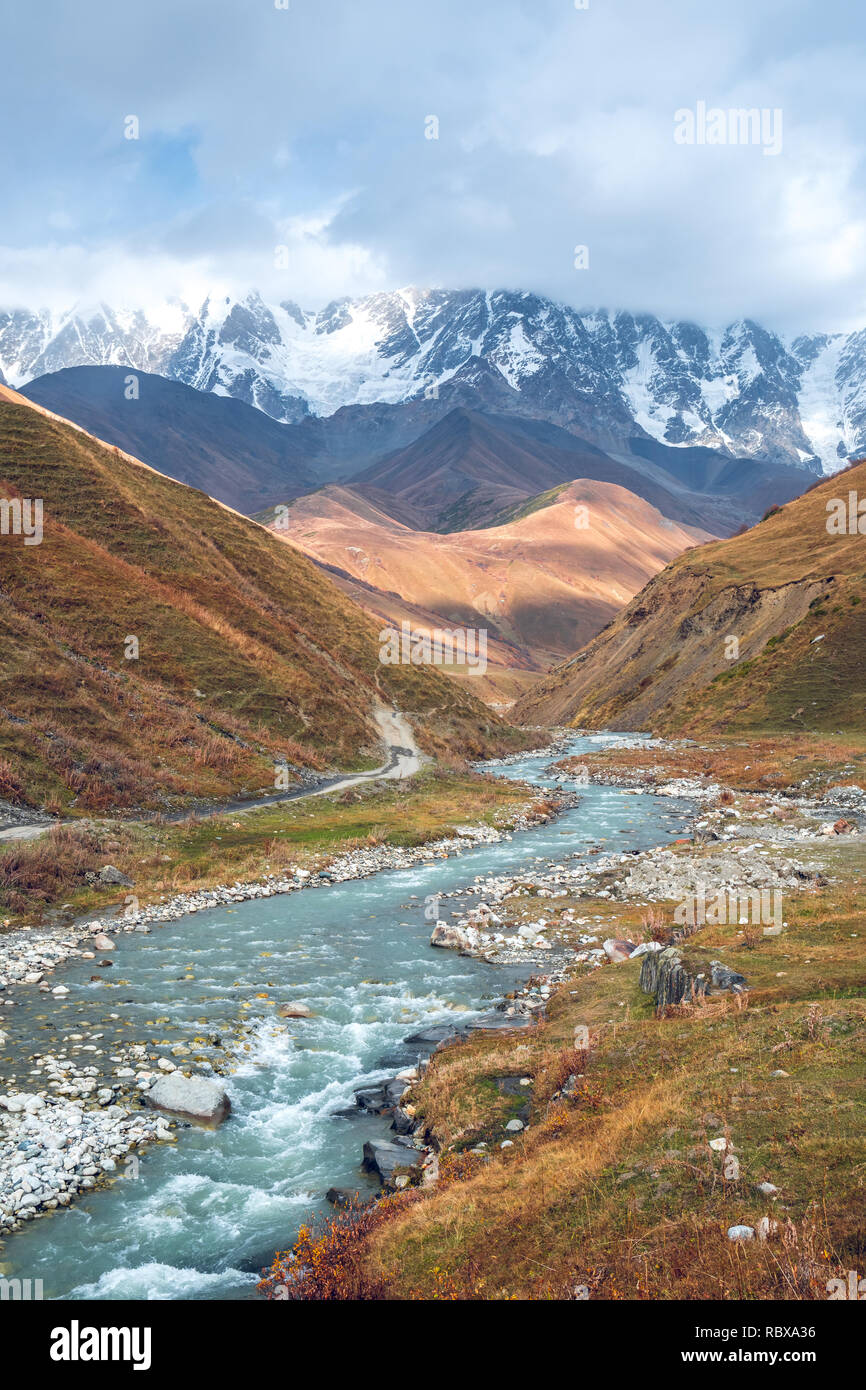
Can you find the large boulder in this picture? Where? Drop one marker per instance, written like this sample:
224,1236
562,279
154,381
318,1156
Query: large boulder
294,1011
198,1098
382,1098
389,1159
108,874
664,975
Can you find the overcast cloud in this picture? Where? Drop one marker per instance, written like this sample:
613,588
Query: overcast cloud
305,128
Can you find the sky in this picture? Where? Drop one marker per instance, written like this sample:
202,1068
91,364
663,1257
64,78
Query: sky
307,128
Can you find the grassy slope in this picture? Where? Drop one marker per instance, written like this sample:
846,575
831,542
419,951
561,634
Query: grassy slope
619,1189
661,663
535,504
284,664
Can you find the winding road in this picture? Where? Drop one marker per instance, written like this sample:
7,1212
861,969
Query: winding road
404,760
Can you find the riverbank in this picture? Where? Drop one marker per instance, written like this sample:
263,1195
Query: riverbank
65,1132
608,1150
66,873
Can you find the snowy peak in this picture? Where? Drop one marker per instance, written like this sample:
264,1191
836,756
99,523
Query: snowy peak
33,344
609,376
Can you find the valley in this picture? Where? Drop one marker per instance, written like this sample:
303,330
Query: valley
419,929
540,584
432,679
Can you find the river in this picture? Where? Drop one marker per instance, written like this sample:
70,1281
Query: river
203,1215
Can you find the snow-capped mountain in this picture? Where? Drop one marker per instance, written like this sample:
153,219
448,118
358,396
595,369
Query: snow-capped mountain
606,376
32,344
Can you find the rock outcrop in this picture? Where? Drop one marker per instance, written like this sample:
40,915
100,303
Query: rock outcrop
389,1160
673,979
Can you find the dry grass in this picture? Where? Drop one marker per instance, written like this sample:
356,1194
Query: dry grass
248,654
791,592
762,764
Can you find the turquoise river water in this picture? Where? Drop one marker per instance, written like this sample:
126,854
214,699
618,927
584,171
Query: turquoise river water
205,1214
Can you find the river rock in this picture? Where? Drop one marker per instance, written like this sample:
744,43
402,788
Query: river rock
195,1097
403,1122
433,1036
617,950
372,1099
448,936
294,1011
103,942
381,1098
345,1197
645,948
385,1159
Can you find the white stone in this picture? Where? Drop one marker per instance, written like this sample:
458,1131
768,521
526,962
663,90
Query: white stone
741,1233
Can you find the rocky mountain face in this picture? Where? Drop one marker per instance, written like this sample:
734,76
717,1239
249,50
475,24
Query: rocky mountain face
32,344
609,377
471,468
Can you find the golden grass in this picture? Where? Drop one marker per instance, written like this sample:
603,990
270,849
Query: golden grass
205,852
760,764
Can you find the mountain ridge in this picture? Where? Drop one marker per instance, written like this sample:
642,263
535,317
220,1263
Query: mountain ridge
214,443
538,585
609,376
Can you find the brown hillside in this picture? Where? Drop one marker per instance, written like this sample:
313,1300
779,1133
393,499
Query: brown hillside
539,583
247,652
788,590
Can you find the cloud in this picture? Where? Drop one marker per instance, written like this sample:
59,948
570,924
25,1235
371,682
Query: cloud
307,128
